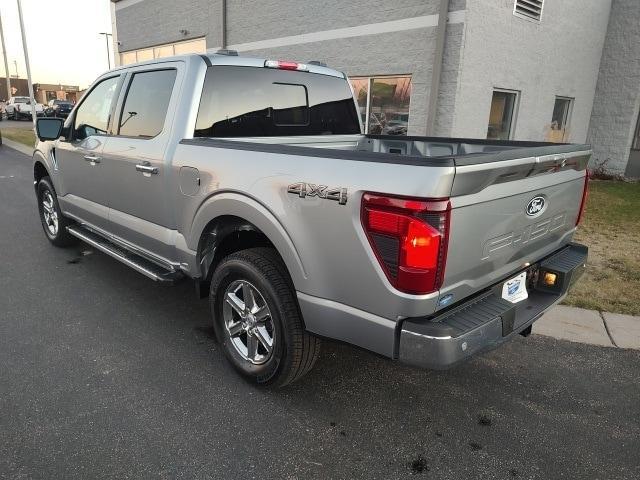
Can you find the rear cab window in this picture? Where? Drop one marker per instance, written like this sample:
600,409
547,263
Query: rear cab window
242,101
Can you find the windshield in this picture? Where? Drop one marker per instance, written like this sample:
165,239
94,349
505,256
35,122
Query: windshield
264,102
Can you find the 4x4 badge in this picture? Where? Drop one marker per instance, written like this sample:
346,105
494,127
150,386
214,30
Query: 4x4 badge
303,190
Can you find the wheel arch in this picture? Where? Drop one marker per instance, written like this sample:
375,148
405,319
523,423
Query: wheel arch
45,164
230,222
41,168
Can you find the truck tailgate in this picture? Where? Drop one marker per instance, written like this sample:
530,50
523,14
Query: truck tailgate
507,214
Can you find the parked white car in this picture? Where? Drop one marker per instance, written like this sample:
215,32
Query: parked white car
20,107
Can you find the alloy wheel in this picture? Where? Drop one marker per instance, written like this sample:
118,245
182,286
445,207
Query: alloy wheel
49,213
248,322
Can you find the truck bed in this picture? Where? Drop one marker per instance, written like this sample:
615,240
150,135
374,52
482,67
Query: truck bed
478,163
398,149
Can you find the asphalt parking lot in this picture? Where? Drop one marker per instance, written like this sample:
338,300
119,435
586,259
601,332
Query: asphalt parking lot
104,374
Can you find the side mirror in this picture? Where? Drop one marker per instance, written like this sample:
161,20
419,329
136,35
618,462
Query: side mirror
49,128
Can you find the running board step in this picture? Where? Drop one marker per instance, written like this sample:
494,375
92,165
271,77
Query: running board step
129,258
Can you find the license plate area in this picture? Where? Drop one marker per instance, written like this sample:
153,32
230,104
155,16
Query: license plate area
514,290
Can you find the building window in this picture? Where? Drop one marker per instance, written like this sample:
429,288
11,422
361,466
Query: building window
504,105
192,46
560,119
144,55
167,50
528,9
383,103
635,143
128,57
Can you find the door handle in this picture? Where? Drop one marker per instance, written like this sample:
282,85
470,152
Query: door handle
147,168
92,158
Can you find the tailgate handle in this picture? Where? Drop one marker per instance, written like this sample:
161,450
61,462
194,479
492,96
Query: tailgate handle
147,168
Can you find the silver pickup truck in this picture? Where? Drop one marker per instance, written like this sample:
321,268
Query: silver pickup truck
253,178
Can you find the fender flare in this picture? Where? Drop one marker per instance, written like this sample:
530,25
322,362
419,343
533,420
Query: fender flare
249,209
40,157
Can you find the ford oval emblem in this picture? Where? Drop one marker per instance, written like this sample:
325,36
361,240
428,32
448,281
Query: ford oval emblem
536,206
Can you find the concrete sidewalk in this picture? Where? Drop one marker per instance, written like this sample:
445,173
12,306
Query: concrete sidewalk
589,326
18,146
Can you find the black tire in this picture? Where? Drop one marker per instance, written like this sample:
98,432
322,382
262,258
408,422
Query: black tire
294,351
60,237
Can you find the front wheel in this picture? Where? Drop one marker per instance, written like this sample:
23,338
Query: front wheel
53,221
257,319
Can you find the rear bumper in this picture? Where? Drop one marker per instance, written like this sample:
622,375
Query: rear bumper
487,320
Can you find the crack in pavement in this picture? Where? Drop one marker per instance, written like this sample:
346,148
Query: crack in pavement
606,327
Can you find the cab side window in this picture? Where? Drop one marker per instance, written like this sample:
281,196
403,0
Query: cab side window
145,107
92,117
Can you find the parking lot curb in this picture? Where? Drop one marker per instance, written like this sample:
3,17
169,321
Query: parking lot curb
17,146
590,327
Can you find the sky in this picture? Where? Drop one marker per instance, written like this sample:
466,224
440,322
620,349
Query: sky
63,36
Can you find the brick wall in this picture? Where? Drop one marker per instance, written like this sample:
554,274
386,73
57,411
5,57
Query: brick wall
449,79
558,56
154,22
491,48
20,84
615,110
391,53
252,20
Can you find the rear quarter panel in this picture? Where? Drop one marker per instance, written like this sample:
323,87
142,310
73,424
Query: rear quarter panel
321,241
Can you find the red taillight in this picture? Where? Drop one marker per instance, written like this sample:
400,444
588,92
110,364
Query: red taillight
409,237
585,195
284,65
421,246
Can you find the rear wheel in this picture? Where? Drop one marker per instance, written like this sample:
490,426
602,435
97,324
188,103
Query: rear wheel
53,221
257,319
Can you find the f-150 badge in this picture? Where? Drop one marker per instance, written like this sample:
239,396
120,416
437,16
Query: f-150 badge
303,190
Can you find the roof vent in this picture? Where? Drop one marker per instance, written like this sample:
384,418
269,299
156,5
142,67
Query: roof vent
317,62
230,53
530,9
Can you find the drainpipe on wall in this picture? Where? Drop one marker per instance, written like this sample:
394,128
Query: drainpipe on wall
224,24
438,58
115,44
